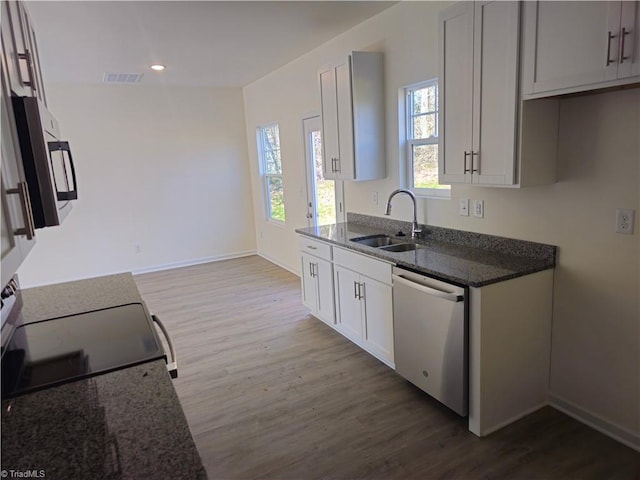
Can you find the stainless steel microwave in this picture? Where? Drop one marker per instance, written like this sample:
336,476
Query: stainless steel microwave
48,165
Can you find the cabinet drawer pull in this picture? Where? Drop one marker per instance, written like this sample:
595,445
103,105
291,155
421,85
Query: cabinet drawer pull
311,247
466,154
625,32
610,37
25,203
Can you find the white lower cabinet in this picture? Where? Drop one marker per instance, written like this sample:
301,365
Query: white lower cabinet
364,303
317,279
350,292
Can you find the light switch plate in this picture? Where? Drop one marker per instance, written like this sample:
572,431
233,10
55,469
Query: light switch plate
463,207
478,208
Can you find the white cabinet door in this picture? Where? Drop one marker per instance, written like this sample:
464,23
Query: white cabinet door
348,307
478,92
378,319
569,45
629,57
323,271
317,287
352,102
495,92
328,101
309,284
455,93
345,165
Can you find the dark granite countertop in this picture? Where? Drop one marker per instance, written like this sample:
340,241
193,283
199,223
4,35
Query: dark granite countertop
465,258
126,424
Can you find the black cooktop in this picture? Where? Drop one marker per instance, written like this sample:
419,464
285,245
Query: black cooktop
50,352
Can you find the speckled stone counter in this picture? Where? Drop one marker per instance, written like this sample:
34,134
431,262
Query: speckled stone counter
465,258
126,424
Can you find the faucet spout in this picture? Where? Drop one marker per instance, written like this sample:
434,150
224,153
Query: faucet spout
415,231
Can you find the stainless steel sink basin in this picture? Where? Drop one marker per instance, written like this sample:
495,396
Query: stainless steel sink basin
387,243
375,240
402,247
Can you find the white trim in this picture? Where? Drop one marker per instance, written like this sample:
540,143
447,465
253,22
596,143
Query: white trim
621,434
483,432
279,263
195,261
407,142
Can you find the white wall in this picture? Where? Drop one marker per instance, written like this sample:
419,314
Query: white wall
596,330
162,168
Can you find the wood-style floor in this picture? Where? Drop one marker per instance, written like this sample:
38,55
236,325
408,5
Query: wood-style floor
270,392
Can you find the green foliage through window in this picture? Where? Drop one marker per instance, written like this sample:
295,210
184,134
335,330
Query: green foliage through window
422,137
271,170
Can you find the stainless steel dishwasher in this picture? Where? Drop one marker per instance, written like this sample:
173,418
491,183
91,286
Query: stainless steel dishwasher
430,337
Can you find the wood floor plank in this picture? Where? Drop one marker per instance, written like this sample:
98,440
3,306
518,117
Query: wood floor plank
270,392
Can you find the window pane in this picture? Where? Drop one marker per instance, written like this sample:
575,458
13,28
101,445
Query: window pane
276,198
424,126
272,161
325,189
424,100
425,167
271,137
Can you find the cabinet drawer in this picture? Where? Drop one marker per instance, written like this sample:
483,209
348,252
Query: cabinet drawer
363,264
314,247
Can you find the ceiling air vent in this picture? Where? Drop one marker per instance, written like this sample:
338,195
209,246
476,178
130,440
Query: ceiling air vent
122,77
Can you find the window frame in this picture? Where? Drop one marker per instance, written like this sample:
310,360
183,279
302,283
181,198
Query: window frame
411,142
266,176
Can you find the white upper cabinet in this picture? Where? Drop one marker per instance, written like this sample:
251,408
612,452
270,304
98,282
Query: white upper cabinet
20,50
577,46
352,103
478,93
488,135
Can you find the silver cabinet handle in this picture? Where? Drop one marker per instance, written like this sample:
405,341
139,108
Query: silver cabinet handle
452,297
610,37
360,295
29,229
355,290
311,247
624,33
172,366
466,154
477,169
27,57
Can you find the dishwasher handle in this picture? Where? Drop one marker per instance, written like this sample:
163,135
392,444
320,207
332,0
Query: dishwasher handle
172,366
452,297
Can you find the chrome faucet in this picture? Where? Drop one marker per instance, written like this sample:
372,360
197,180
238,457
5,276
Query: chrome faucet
415,231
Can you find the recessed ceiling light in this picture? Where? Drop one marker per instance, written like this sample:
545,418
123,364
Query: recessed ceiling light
157,68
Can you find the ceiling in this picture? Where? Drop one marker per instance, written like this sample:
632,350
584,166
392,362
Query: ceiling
202,43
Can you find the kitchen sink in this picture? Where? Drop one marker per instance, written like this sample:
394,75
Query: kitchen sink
402,247
387,243
375,240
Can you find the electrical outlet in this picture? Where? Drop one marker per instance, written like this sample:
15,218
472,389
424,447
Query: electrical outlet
463,207
478,208
374,198
624,220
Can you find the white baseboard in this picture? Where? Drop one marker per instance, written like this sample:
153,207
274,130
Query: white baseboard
621,434
195,261
487,430
280,264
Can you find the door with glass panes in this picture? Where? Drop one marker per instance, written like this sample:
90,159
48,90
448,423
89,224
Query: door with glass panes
325,198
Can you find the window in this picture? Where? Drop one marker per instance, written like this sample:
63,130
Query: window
271,171
421,106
